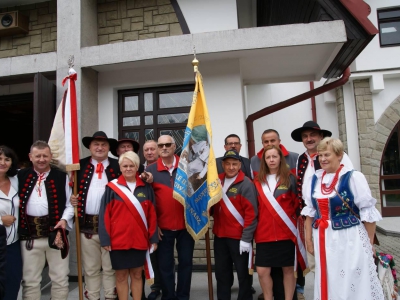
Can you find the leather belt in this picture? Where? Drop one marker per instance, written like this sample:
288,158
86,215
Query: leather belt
38,226
91,225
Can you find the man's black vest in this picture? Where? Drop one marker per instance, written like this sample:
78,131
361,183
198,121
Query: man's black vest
302,165
55,184
85,175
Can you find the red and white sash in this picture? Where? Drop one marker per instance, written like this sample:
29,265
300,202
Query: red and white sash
229,207
276,210
136,209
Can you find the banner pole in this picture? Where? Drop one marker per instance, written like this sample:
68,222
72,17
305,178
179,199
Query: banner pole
209,269
78,240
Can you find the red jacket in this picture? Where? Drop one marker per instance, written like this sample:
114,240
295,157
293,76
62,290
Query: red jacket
242,194
268,229
118,227
170,215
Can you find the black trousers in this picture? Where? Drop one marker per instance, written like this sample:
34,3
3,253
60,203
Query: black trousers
226,253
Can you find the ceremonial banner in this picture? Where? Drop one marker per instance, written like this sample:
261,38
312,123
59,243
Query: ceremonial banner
196,185
64,141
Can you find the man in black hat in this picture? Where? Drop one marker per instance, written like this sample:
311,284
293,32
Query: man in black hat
125,145
235,220
94,174
311,135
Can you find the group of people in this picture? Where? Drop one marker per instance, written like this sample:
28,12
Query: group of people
130,223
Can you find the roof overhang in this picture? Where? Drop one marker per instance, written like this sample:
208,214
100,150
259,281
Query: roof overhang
287,53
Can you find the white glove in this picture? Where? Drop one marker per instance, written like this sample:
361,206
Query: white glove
151,249
244,247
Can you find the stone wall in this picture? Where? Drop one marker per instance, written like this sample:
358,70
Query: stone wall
130,20
371,138
42,36
341,117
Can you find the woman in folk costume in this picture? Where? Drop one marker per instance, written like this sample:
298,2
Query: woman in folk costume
128,226
276,233
9,208
342,213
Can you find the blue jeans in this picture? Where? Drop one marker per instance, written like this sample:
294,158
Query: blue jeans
184,247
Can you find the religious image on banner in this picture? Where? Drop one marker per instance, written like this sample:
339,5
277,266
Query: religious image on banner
196,185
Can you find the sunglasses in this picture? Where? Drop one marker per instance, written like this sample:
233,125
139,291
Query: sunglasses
167,145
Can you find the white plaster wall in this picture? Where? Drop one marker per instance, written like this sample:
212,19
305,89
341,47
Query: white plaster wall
209,15
222,86
374,56
383,99
290,118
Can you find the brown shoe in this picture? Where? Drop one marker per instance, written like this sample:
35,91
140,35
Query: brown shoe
300,296
261,296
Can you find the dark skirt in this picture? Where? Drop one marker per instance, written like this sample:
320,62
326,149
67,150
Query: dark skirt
13,271
127,259
275,254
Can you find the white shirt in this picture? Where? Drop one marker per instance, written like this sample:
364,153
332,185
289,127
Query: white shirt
9,206
272,180
96,188
171,169
228,182
38,206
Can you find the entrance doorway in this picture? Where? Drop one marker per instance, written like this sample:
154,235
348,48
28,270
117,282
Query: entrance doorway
16,119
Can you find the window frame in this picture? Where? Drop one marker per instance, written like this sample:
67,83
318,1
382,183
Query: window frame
389,211
155,91
382,21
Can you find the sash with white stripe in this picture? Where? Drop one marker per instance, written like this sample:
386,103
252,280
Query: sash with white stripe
124,193
285,218
232,209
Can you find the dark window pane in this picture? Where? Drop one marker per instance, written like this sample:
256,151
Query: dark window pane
131,121
176,99
391,158
390,184
148,101
131,103
173,118
178,135
148,120
131,135
149,135
389,14
390,33
391,200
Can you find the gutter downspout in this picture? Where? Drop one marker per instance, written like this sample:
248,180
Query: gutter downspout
281,105
313,107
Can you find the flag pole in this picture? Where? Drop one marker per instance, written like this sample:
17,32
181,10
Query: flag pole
195,64
74,168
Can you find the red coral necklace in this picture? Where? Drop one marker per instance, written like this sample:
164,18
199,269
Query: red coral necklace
325,189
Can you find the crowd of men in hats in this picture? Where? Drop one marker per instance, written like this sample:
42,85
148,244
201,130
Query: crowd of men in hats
46,210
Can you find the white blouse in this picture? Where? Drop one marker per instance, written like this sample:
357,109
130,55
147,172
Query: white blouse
359,187
9,205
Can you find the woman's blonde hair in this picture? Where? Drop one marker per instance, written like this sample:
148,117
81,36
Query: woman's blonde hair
283,170
132,156
335,144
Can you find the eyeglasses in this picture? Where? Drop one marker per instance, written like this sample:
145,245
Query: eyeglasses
233,144
167,145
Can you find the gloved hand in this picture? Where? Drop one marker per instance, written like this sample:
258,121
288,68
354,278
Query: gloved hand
244,247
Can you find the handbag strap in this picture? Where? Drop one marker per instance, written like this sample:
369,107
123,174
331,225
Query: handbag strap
346,204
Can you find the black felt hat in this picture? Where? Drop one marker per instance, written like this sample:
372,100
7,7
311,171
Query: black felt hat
99,135
296,134
134,143
63,236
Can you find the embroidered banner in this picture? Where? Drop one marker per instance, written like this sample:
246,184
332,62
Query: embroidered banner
197,186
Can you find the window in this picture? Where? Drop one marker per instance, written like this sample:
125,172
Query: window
145,114
389,27
390,175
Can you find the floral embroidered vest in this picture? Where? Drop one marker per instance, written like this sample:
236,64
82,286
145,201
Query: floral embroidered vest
339,214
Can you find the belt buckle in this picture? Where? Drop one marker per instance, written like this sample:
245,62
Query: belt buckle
38,227
95,218
95,229
36,220
38,232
